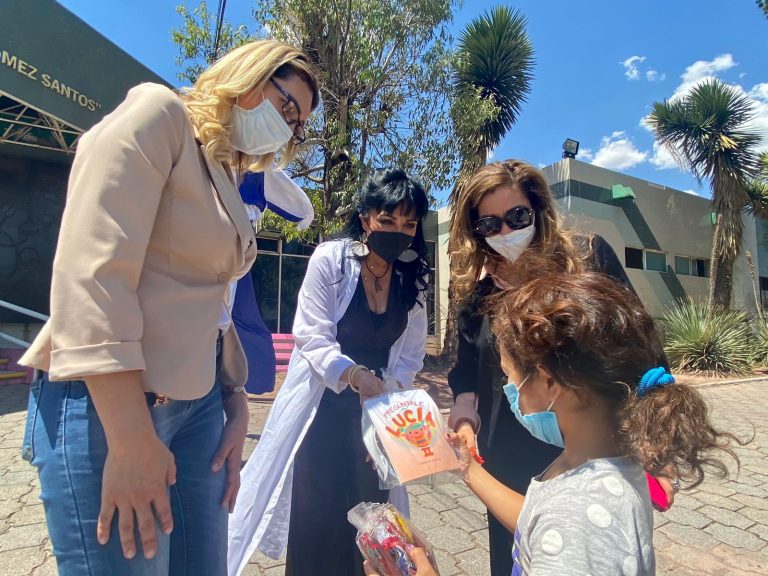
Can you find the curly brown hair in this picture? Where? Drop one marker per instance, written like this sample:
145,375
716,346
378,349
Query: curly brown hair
593,334
469,253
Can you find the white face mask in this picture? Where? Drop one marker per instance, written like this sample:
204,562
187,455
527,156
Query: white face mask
261,130
512,245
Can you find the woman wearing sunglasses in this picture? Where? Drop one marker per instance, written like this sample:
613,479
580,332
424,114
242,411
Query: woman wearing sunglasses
505,209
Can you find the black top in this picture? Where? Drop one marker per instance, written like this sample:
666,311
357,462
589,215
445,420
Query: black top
365,336
511,453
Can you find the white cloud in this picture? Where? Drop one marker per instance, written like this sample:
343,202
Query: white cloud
689,191
630,67
662,159
759,96
700,71
585,154
654,76
617,152
741,75
632,70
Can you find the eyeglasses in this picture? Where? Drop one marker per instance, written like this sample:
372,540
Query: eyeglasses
516,218
292,113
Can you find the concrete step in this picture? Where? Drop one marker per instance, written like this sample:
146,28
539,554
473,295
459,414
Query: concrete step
282,337
281,368
284,346
283,357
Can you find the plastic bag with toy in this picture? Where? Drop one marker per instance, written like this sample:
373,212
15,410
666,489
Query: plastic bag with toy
385,539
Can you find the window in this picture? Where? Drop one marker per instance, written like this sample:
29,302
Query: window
692,266
656,261
700,267
291,276
683,265
432,294
764,292
266,283
267,244
633,258
277,276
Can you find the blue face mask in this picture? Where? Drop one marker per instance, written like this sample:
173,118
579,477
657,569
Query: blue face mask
541,425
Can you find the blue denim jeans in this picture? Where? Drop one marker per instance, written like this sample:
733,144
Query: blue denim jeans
65,440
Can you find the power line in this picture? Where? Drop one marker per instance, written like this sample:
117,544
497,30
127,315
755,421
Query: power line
219,24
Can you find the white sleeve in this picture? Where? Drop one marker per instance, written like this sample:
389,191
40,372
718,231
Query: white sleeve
286,199
314,326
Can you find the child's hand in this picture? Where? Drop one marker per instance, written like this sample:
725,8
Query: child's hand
419,558
462,453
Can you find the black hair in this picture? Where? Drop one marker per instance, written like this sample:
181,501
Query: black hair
384,191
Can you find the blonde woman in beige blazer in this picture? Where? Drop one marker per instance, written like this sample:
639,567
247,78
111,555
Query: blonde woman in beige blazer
139,361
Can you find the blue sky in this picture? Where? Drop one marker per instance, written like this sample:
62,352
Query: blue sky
600,64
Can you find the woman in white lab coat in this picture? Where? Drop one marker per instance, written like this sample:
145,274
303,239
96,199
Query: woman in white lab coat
361,311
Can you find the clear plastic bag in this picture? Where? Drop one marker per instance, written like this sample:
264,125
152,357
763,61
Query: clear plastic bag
385,539
405,436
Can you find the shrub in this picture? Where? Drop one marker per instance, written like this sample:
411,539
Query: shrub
703,340
760,338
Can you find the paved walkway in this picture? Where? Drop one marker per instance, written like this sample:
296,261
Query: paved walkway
719,528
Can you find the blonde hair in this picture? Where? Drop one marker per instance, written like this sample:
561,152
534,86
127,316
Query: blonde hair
469,252
216,90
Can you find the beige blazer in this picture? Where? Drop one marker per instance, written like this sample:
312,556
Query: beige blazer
152,233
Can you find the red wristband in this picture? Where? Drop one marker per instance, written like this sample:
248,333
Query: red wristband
476,455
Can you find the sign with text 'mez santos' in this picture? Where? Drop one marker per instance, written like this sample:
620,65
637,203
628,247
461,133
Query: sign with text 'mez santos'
53,61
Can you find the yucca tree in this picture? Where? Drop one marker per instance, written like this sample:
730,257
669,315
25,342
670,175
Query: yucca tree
707,133
495,69
495,63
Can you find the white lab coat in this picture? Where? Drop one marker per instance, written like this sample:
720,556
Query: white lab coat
263,509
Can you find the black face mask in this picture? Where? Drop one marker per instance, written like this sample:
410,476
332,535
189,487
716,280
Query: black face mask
389,245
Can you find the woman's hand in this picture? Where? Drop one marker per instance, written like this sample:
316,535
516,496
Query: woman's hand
368,384
466,432
230,450
138,467
135,481
419,558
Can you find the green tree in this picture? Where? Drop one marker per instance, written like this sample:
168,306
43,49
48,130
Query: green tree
494,67
385,75
763,5
198,44
384,67
707,133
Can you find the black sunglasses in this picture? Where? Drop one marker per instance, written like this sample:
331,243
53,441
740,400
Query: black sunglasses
292,113
516,218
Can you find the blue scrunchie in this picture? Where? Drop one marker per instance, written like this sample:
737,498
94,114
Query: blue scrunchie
654,378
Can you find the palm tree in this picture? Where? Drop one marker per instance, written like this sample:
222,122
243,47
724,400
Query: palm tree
706,131
495,65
